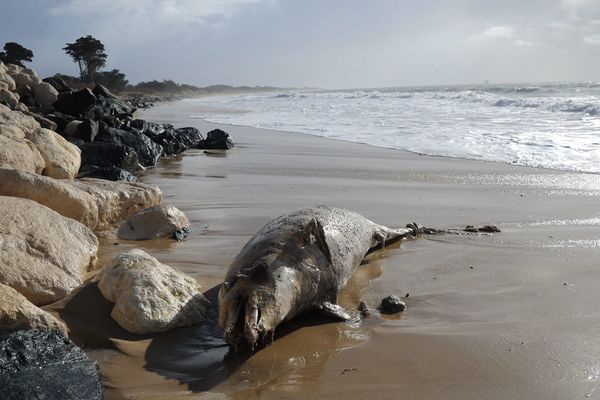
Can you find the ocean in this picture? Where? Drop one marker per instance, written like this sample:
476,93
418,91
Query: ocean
554,126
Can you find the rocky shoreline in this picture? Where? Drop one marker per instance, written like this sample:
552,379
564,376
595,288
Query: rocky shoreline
68,165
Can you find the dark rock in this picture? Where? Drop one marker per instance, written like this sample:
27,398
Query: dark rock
484,229
108,103
154,130
58,83
391,305
139,124
44,122
75,103
46,365
189,137
104,154
28,99
182,233
87,130
170,142
76,141
61,120
148,152
108,173
216,140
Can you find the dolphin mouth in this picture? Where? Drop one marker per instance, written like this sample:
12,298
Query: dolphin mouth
243,328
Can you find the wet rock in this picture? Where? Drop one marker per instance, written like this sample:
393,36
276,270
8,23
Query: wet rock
61,120
87,130
58,83
76,103
148,152
139,124
483,229
62,159
155,222
43,254
45,95
46,365
117,201
109,155
391,305
108,173
17,313
182,234
189,136
216,140
150,296
58,195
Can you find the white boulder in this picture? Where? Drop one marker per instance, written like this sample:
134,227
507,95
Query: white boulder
153,223
43,254
150,296
9,98
45,95
62,158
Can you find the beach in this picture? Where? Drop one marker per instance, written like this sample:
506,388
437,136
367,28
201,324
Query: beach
508,315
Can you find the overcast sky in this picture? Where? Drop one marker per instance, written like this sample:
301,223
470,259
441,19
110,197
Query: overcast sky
318,43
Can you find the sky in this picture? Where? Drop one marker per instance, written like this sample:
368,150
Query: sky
318,43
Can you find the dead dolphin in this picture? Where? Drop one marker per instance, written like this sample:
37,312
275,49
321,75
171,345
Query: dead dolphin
297,262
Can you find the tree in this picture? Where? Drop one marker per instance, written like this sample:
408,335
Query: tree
114,80
14,53
88,53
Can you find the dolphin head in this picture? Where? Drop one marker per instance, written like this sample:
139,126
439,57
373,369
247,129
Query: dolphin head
254,301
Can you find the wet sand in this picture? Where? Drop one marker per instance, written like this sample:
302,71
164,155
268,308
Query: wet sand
512,315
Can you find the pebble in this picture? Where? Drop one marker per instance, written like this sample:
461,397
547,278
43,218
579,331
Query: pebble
392,304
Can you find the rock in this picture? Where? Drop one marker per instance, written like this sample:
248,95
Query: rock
17,313
21,107
45,95
87,130
8,82
13,69
58,83
25,122
23,80
117,201
189,136
108,173
46,365
150,296
139,124
483,229
43,254
9,98
28,99
109,155
108,104
44,122
20,154
148,152
71,128
216,140
76,103
58,195
391,305
175,141
155,222
62,158
61,120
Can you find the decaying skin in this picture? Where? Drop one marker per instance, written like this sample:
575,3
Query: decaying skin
299,261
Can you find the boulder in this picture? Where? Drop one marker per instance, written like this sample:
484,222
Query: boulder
392,304
7,81
109,155
43,254
46,365
13,69
58,83
3,68
9,98
216,140
174,141
20,154
117,201
44,122
23,80
21,107
87,130
75,103
155,222
17,313
61,120
55,194
25,122
108,104
108,173
71,128
45,95
150,296
148,152
62,158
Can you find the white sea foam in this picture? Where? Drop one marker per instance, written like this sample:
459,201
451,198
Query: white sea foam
552,126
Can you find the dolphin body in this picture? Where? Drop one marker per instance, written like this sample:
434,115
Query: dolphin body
297,262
